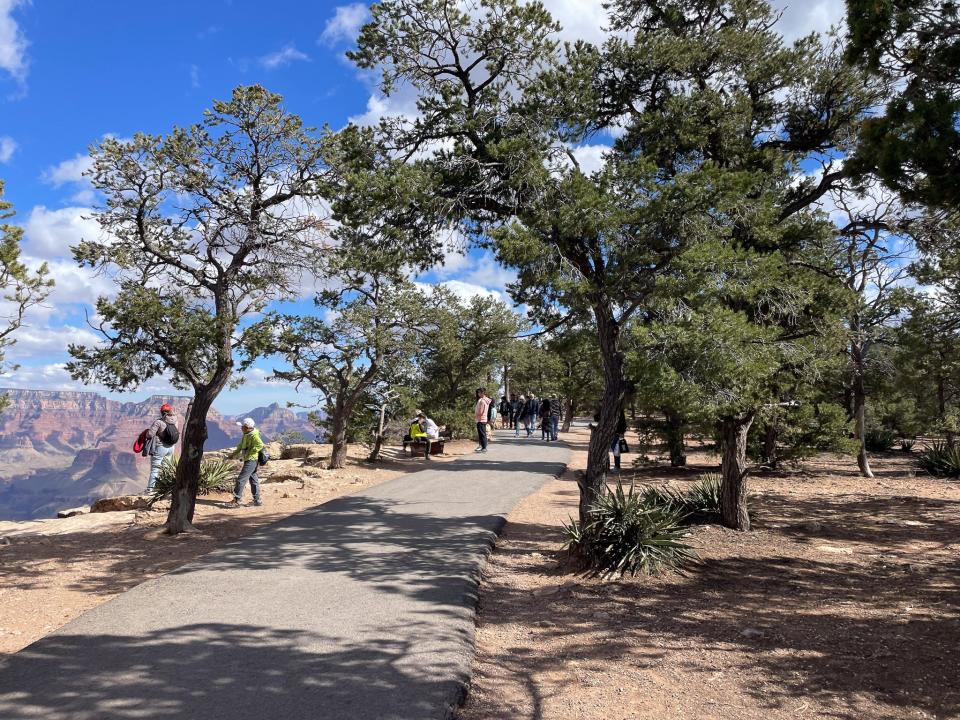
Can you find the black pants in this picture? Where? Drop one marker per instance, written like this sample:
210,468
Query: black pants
482,434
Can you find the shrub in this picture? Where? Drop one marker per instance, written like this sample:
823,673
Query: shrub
215,476
701,503
626,535
906,444
941,460
880,440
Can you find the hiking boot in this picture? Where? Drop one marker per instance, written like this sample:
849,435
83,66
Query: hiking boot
258,503
233,504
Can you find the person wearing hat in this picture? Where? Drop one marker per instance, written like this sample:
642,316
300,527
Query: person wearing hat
424,430
161,442
248,450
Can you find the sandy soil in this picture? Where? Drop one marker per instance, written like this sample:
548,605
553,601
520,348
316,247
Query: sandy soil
51,571
843,602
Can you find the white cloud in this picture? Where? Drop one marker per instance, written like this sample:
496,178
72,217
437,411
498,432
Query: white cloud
69,171
194,76
50,233
8,147
580,19
45,341
282,57
345,24
74,284
591,157
13,45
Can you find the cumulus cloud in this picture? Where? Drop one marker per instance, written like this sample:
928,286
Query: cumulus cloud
69,171
50,233
13,44
283,57
345,24
7,148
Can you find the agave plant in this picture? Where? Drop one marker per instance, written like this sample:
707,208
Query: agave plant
215,476
624,534
941,460
906,444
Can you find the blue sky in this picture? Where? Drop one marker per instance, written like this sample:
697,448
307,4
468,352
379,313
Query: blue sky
71,73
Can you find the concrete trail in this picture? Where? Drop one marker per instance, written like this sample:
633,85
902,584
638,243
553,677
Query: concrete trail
360,609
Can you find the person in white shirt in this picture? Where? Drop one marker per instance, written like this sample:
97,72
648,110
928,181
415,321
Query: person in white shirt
429,429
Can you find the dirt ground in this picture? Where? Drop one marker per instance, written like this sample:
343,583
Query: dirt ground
843,602
51,571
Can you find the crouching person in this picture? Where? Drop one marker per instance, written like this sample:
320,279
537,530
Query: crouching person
248,451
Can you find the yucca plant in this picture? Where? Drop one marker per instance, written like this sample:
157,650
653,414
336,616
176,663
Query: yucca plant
879,440
626,535
215,476
941,460
906,444
701,503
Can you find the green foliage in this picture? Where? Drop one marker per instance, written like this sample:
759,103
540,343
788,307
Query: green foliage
915,145
20,288
699,504
941,460
906,444
625,534
880,440
463,343
215,476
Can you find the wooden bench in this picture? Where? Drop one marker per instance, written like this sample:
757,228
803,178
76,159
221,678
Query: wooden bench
436,447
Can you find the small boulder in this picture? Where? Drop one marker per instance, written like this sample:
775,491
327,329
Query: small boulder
118,504
82,510
295,452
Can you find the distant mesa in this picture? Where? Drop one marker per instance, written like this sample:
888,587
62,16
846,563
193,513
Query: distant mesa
67,448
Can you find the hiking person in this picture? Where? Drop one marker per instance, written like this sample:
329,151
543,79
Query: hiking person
514,410
161,438
248,451
504,413
424,430
491,421
518,410
545,426
480,414
619,439
555,409
531,412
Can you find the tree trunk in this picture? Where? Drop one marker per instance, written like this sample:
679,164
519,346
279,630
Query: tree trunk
860,411
378,438
593,481
770,435
733,490
184,497
674,437
338,438
571,408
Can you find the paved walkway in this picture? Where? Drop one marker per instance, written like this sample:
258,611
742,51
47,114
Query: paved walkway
360,609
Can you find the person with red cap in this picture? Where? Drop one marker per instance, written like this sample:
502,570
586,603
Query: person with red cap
163,436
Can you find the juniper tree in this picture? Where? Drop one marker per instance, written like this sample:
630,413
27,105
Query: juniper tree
21,288
913,144
202,229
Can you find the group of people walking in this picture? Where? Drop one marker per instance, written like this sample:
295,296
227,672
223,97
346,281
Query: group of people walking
529,413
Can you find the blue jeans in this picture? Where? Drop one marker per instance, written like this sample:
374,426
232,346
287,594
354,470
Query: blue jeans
554,423
248,472
160,453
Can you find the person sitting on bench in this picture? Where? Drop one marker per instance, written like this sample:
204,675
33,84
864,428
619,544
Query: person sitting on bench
424,431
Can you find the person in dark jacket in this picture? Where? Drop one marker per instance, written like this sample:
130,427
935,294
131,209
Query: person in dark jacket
504,412
546,432
618,435
531,412
554,418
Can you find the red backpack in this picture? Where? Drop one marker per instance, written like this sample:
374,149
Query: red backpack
140,441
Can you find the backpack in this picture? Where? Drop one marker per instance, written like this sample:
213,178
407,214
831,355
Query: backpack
170,435
140,442
263,457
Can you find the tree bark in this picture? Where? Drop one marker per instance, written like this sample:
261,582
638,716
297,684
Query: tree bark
338,436
674,437
593,481
733,490
571,408
184,496
860,410
378,438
